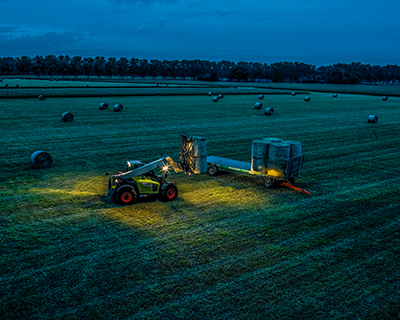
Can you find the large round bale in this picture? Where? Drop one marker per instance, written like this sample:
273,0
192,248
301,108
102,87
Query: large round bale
118,107
200,164
17,86
261,96
103,106
335,95
210,93
384,98
199,147
259,155
307,98
279,151
295,148
215,99
372,119
6,85
42,97
269,111
41,159
220,96
258,105
67,117
293,93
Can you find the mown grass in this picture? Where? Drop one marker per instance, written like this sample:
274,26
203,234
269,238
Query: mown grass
227,248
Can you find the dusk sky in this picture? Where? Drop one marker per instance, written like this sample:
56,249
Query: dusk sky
320,32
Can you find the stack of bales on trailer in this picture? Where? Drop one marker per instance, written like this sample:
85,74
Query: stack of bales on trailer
270,156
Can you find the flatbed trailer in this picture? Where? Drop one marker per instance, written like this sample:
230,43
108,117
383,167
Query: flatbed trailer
276,172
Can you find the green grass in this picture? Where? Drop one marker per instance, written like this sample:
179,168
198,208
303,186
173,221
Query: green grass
227,248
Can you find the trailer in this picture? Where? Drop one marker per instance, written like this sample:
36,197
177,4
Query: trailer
277,173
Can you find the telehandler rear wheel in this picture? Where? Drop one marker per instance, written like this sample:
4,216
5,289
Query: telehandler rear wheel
169,193
126,196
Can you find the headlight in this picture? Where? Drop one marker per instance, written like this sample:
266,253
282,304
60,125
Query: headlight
165,168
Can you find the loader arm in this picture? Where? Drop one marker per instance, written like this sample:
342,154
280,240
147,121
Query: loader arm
157,164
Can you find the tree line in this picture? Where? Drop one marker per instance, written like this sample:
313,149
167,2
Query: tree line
64,65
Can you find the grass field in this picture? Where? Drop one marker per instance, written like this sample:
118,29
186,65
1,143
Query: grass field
227,248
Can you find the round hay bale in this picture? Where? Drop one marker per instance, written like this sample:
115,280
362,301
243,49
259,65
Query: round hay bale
335,95
259,149
215,99
307,98
261,96
103,106
199,147
220,96
295,148
269,111
258,165
118,107
200,164
210,93
17,86
67,117
41,159
293,93
258,105
6,85
384,98
42,97
372,119
279,151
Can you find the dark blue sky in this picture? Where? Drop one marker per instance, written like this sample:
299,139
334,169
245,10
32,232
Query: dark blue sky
319,32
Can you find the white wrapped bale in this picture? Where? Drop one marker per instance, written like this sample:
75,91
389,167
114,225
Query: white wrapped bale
258,105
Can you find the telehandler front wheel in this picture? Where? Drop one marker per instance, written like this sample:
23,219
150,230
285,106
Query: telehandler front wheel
169,193
126,196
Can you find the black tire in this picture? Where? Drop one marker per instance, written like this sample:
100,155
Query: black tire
212,170
270,183
126,196
169,193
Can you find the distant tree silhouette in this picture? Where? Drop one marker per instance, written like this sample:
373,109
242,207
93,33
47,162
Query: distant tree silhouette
283,71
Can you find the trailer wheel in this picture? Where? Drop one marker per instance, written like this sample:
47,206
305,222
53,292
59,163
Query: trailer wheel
126,196
269,183
169,193
212,170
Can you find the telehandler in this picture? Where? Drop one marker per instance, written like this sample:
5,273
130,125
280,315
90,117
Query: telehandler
140,179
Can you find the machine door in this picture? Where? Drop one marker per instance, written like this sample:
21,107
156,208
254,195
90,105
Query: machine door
148,185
